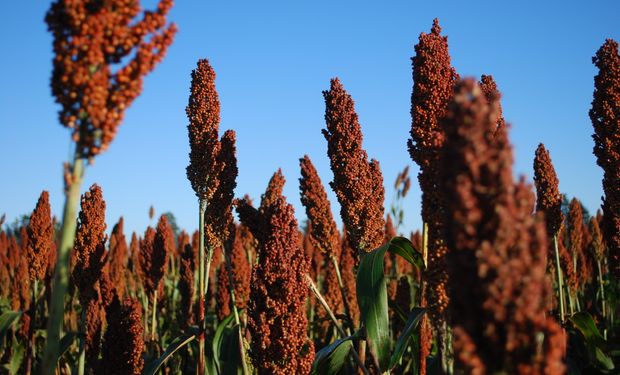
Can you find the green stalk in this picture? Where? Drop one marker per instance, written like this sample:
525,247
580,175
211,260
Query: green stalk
233,300
146,319
560,278
201,287
31,349
343,292
571,303
602,293
82,356
601,287
61,274
154,316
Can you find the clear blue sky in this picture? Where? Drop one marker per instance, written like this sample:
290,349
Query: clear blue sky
272,60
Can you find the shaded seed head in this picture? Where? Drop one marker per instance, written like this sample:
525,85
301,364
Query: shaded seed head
41,238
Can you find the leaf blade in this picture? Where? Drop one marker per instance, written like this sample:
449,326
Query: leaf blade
331,359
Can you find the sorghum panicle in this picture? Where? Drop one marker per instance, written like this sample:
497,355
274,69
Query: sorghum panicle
89,249
41,238
358,183
548,197
433,86
123,342
91,40
118,257
605,116
150,263
323,229
576,241
203,112
489,89
186,286
499,294
277,313
163,245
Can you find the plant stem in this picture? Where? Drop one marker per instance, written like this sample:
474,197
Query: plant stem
82,356
61,274
154,316
571,304
343,292
601,286
146,319
31,352
341,331
201,287
560,278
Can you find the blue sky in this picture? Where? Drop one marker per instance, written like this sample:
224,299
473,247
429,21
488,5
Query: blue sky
272,60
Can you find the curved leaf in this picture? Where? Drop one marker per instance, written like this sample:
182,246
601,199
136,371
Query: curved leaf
175,345
597,346
403,339
585,324
373,304
226,346
403,247
17,357
6,321
331,359
65,342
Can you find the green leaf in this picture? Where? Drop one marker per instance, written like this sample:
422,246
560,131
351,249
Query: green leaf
65,342
331,359
17,358
175,345
372,295
401,344
597,346
6,321
585,324
373,303
226,346
403,247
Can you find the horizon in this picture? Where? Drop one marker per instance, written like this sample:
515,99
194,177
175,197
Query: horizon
274,101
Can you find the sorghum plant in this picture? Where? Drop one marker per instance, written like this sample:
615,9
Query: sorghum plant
101,54
433,84
212,172
89,260
549,202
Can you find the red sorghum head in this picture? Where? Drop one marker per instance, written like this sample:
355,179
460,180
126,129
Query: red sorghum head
123,342
277,312
548,197
605,116
40,238
433,85
323,231
358,183
499,294
118,258
102,54
89,248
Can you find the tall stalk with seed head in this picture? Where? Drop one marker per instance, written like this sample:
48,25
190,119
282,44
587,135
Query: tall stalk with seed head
101,57
212,172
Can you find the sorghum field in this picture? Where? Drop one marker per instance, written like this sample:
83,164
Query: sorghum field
505,276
